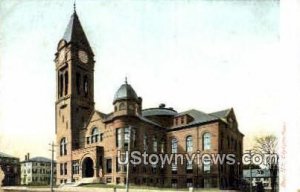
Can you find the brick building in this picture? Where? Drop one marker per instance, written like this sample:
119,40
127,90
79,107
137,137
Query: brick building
11,168
89,140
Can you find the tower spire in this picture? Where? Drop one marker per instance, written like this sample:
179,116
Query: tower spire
125,79
74,5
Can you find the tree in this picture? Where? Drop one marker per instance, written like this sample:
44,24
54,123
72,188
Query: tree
267,146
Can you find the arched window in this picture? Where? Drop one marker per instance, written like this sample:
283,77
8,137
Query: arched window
66,82
206,141
95,135
174,145
189,144
122,106
154,144
63,146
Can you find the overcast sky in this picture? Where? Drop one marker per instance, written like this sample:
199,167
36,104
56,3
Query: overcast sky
206,55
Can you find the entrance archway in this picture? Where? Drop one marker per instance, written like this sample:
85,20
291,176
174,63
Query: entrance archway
88,167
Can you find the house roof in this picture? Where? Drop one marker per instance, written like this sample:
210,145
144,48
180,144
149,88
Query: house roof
221,114
6,155
38,159
198,117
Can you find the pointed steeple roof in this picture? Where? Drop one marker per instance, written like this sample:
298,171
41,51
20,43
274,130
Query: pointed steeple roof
75,33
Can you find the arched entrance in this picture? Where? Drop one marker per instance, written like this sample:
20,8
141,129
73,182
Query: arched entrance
88,167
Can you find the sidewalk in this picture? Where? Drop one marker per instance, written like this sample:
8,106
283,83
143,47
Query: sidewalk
89,189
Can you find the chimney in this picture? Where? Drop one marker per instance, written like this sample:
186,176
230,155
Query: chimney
28,156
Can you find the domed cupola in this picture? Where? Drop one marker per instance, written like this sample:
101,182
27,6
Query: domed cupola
125,92
126,101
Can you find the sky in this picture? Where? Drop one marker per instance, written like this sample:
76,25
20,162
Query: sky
205,55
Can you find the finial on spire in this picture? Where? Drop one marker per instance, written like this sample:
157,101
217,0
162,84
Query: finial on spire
74,5
125,79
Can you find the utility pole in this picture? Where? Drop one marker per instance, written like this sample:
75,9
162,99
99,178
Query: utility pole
127,173
52,165
250,152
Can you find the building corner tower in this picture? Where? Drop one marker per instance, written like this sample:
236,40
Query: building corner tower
74,104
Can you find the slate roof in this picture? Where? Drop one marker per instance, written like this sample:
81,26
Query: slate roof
148,121
159,112
38,159
74,32
198,117
6,155
125,92
221,114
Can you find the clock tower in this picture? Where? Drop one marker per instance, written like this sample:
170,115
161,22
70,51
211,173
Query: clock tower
74,104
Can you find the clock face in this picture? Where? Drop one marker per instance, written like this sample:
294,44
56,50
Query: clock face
83,56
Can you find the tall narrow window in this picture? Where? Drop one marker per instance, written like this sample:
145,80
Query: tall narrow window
61,166
189,144
154,145
66,82
85,86
189,166
206,165
162,146
63,146
95,135
206,141
145,142
78,80
126,138
119,137
75,167
174,151
174,145
118,166
61,85
108,166
66,168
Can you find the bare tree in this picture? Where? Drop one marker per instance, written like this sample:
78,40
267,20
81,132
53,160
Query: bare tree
267,146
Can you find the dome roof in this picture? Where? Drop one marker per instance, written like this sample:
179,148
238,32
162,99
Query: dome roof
125,92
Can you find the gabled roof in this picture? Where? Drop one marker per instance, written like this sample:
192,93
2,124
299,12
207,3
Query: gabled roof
75,33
